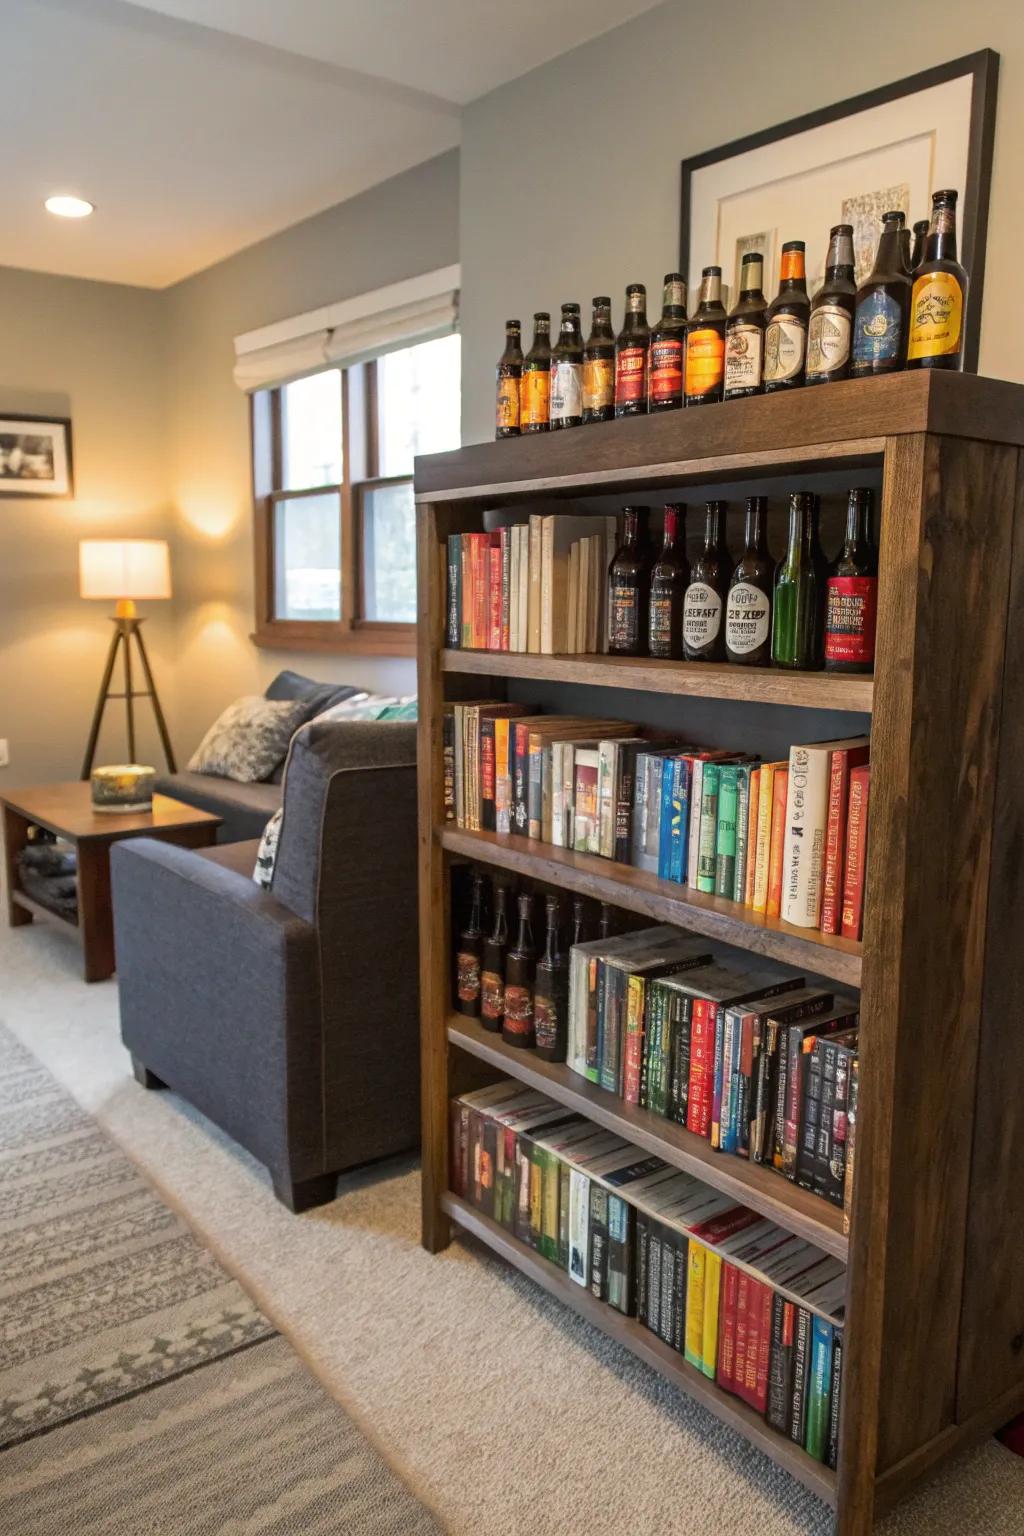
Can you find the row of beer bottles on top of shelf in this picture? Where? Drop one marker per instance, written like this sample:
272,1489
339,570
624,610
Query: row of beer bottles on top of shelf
515,983
802,612
908,313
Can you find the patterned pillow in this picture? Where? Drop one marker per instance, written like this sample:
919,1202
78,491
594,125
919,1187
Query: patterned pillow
249,740
369,707
266,854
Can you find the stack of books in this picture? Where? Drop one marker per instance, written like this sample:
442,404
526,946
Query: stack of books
786,839
744,1302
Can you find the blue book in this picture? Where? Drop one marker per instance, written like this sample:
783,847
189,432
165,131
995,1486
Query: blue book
732,1043
666,811
819,1384
681,820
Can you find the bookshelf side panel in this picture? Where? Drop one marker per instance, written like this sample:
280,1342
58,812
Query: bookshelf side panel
992,1333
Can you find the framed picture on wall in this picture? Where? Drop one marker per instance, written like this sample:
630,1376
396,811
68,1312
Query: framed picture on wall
35,456
849,163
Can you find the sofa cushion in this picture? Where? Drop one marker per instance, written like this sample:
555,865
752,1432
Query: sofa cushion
266,852
317,696
235,856
249,739
244,809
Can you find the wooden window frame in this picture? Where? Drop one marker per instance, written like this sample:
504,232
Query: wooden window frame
360,446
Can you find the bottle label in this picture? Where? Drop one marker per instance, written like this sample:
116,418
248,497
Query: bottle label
936,315
666,377
702,615
705,361
518,1011
850,618
545,1019
623,632
877,329
598,383
535,397
744,357
630,375
467,977
748,613
506,410
566,390
785,345
492,996
660,625
828,339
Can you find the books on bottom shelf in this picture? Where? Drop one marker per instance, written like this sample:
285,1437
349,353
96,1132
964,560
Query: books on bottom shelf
749,1305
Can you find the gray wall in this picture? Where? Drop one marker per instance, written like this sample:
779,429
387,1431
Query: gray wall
570,175
94,352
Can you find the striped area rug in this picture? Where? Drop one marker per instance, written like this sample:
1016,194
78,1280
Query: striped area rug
139,1385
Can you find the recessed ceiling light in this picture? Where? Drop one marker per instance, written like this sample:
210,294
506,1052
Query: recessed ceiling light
69,207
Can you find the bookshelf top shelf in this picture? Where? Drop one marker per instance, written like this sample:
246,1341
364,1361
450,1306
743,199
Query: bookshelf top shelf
832,426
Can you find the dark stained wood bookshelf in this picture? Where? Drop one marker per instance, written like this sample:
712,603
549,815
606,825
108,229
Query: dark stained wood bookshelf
934,1338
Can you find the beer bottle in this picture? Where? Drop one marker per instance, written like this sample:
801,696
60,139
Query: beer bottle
852,594
535,385
665,365
631,348
748,605
882,307
567,372
599,365
795,612
830,328
744,333
703,631
492,980
629,580
551,990
509,372
517,1025
917,254
669,580
704,366
579,920
939,295
785,337
468,955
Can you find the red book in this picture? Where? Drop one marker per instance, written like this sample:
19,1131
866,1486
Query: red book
728,1295
764,1349
466,617
856,852
480,543
739,1369
494,593
506,587
702,1040
843,761
776,846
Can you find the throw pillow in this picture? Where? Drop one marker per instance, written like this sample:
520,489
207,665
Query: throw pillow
405,709
266,854
249,739
370,707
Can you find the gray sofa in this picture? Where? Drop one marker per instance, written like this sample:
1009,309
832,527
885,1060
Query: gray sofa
245,809
288,1016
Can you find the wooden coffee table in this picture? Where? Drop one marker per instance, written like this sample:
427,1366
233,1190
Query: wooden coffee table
67,809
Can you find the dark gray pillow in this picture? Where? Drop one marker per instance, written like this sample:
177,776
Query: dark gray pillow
249,739
317,696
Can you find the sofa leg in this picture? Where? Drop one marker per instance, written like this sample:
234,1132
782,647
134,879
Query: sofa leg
306,1193
143,1075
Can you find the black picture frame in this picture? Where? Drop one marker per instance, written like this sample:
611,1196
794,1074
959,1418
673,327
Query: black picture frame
983,66
13,489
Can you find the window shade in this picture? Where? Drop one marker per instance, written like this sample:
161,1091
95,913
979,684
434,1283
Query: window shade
350,331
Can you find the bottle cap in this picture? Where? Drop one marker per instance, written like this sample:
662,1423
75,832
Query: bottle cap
512,325
635,288
602,302
674,277
841,229
542,314
712,272
898,215
752,256
795,245
570,309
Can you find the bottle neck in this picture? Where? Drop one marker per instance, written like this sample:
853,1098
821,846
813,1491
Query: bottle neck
711,292
799,523
673,303
475,912
712,528
941,242
839,263
542,335
671,536
500,934
630,530
858,521
890,256
601,326
551,952
792,275
756,528
569,333
524,938
751,280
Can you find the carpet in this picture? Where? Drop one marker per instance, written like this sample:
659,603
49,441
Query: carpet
139,1384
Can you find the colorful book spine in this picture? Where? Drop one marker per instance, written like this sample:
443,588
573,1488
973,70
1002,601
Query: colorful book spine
453,627
780,783
726,836
816,1439
851,1147
708,836
494,593
752,822
506,588
502,776
744,774
856,853
633,1044
803,855
712,1310
698,1113
694,1349
835,842
762,855
835,1400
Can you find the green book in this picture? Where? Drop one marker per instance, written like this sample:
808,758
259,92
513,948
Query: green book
708,835
743,772
725,842
818,1388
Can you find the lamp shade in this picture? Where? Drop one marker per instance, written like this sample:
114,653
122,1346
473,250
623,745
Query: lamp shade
116,568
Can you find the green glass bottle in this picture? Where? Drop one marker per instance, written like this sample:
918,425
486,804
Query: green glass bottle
797,607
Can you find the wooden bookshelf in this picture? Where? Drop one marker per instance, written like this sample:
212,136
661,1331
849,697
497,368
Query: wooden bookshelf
934,1339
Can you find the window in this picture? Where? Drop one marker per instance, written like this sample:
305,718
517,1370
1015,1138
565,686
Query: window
335,520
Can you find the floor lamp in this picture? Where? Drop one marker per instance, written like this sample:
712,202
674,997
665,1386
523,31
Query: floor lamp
124,570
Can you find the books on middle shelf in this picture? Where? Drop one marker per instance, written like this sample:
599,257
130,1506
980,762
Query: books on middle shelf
786,839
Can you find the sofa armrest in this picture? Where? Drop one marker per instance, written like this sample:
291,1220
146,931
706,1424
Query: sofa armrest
220,997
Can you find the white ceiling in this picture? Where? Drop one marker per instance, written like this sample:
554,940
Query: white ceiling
200,126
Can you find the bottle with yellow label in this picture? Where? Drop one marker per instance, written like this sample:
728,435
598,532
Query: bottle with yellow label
535,385
939,300
510,372
599,365
704,354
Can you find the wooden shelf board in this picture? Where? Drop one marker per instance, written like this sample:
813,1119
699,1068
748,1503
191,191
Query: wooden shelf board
761,1188
647,1347
37,909
760,685
621,884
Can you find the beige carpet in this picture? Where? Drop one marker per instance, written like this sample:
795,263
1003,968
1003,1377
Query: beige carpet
503,1412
